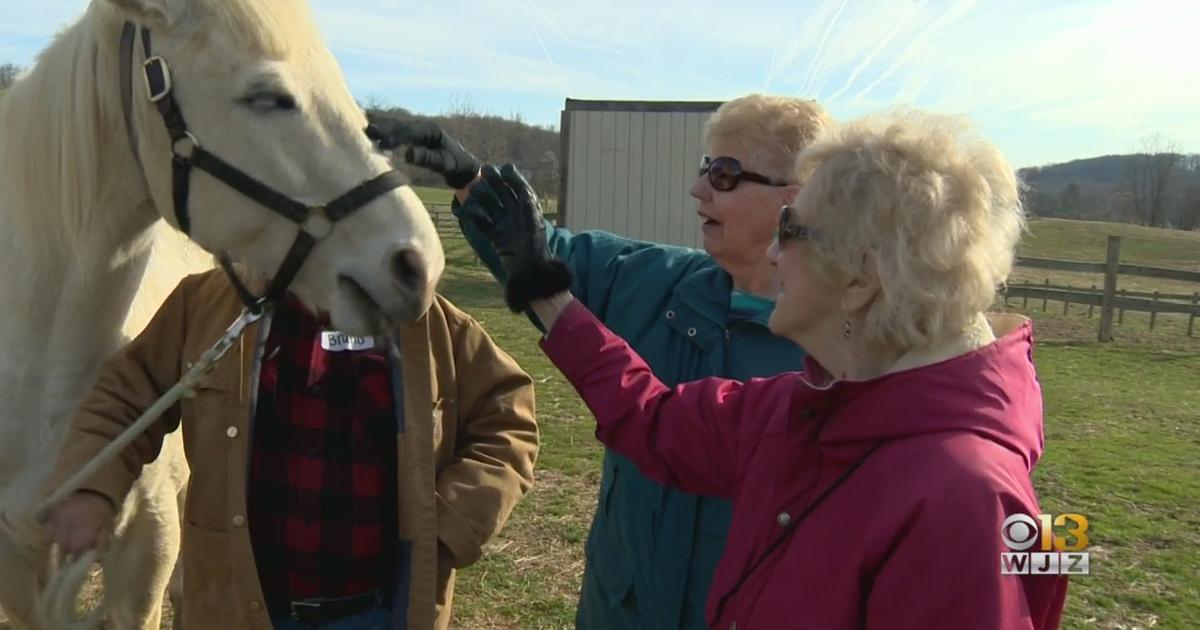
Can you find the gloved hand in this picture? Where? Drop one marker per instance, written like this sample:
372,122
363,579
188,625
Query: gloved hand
505,208
429,147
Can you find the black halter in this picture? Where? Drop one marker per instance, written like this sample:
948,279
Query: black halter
316,222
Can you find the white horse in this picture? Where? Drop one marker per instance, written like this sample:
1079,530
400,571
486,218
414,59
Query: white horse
86,259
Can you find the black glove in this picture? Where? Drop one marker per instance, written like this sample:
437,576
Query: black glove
428,147
504,207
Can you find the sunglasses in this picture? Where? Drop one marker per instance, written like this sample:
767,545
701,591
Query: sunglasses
789,231
725,173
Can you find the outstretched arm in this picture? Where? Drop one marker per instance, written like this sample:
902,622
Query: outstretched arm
695,436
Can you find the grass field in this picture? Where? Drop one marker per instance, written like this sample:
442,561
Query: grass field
1122,448
429,195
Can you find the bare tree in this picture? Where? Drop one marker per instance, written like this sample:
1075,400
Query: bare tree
460,106
373,102
8,74
1068,200
1189,210
1150,176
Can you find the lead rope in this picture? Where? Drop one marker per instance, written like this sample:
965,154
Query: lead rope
57,604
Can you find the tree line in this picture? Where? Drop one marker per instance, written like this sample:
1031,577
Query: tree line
1157,185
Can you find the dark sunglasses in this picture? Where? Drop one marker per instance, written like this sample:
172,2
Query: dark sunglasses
725,173
789,231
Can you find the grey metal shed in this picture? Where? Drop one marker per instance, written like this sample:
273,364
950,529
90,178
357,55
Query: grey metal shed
627,167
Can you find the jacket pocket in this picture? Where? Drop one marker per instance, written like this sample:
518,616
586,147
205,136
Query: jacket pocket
206,423
208,579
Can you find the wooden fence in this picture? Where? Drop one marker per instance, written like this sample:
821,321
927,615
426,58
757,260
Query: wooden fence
1107,300
1110,299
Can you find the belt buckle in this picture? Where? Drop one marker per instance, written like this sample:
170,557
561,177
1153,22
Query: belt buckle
298,608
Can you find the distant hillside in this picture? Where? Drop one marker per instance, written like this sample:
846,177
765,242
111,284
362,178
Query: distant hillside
1107,169
1124,188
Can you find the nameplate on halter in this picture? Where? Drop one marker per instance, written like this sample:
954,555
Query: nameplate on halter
333,341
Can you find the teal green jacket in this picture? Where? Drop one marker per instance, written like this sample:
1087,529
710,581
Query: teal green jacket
652,550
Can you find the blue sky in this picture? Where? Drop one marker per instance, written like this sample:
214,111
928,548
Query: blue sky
1046,80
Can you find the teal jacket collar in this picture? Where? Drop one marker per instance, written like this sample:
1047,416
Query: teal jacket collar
708,291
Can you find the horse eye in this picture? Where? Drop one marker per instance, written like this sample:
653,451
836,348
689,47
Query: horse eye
268,102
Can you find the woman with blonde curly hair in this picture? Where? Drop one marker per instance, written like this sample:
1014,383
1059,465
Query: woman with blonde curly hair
870,488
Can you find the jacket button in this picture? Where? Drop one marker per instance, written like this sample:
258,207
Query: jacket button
733,626
255,605
231,432
670,314
783,519
691,332
239,520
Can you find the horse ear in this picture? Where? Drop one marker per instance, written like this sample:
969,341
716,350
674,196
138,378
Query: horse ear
154,11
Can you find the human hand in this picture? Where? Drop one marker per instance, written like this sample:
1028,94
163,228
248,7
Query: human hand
429,147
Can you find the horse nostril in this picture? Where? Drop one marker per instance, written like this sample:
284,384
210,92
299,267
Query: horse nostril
408,268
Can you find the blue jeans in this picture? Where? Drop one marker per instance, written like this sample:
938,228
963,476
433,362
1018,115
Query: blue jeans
374,619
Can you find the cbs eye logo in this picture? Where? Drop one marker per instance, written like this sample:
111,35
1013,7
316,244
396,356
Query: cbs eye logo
1037,549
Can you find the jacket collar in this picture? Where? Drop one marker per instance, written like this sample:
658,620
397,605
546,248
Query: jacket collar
707,292
991,391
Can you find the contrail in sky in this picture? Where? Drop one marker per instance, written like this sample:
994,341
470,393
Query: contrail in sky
957,12
809,75
870,58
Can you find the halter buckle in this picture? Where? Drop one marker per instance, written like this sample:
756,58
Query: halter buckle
318,224
157,75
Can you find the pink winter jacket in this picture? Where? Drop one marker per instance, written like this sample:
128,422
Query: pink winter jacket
874,504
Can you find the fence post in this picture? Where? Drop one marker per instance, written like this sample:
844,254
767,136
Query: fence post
1192,317
1153,310
1111,265
1025,298
1044,295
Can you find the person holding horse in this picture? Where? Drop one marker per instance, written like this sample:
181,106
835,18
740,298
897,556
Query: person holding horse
873,488
351,474
365,438
653,548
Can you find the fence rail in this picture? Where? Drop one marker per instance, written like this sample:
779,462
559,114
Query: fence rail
1090,298
1143,271
1178,297
1109,299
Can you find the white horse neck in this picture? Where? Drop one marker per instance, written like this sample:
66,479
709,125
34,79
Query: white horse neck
75,240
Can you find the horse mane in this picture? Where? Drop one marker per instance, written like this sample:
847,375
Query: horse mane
272,27
45,135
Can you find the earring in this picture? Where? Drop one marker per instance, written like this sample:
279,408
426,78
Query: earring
846,327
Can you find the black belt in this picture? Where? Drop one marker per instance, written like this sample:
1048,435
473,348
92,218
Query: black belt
319,610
